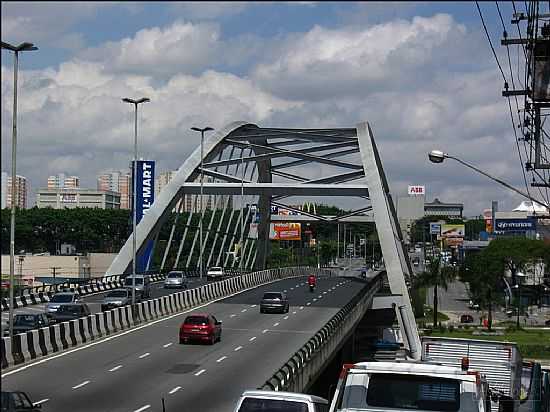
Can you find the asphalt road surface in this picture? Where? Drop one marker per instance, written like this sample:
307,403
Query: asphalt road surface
134,370
94,300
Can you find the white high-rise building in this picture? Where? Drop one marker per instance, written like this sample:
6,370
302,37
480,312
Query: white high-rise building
21,188
60,181
117,181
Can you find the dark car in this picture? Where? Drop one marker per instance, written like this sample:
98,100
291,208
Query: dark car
70,312
547,322
28,321
17,402
466,318
201,327
274,302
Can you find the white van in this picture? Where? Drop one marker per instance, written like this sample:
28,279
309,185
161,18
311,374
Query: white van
260,401
409,385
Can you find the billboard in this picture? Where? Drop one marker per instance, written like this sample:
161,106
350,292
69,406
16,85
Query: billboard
416,190
285,231
514,225
454,241
145,196
452,231
435,228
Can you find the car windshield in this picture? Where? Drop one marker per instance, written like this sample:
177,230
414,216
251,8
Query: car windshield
74,309
272,405
24,320
196,320
118,294
216,269
129,281
173,275
272,295
62,298
405,392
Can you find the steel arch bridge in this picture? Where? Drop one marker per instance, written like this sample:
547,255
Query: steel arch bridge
267,166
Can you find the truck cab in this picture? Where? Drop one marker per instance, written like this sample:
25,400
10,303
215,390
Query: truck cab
409,385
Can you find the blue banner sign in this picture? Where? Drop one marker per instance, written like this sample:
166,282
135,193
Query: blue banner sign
435,228
145,196
515,225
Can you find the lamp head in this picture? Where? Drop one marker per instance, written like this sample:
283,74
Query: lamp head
198,129
436,156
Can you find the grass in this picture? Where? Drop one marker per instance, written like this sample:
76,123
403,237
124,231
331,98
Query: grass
532,343
429,316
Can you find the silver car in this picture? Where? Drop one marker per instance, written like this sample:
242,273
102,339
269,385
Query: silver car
60,299
175,280
143,285
116,298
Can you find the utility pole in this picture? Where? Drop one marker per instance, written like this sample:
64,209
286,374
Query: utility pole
54,272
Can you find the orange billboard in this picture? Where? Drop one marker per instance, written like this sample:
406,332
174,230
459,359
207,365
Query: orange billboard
285,231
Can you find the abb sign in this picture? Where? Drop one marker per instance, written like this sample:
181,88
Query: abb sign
417,190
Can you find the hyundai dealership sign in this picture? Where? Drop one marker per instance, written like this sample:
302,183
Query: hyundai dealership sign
503,226
145,196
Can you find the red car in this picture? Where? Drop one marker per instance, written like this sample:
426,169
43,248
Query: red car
201,326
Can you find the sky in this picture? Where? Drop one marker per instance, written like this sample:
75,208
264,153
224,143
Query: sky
421,73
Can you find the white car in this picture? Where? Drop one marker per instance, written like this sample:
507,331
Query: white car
252,401
215,273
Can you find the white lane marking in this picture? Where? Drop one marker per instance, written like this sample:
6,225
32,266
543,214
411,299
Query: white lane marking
314,299
285,290
301,307
244,310
253,306
309,303
324,293
291,288
286,317
265,330
168,344
232,316
320,296
80,385
177,388
297,286
41,401
200,372
294,313
115,368
276,324
144,355
147,325
143,408
238,348
221,359
252,338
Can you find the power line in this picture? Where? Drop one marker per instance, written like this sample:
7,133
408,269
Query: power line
491,44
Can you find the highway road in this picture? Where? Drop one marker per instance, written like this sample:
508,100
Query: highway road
134,370
94,300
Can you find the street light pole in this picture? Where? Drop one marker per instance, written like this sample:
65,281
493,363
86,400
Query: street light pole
134,195
437,156
15,50
205,129
242,215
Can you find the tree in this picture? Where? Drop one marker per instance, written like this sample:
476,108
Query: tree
436,276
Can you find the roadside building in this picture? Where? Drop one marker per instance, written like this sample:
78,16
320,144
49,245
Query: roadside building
72,198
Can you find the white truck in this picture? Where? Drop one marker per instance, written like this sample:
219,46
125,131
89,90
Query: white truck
409,385
500,362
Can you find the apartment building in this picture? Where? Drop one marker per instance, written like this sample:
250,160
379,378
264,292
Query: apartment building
62,181
21,190
117,181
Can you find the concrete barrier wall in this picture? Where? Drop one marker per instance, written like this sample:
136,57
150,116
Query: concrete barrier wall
303,368
62,336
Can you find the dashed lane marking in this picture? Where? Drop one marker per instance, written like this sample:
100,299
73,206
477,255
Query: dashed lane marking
309,303
301,307
286,317
252,338
276,324
115,368
265,330
143,408
294,313
244,310
41,401
253,306
168,344
80,385
199,373
221,359
177,388
144,355
232,316
238,348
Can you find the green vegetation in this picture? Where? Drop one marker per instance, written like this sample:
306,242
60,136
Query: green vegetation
420,230
532,343
429,316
